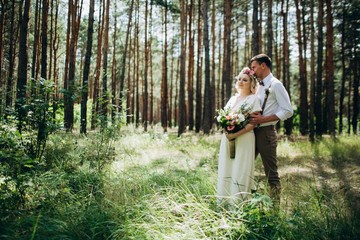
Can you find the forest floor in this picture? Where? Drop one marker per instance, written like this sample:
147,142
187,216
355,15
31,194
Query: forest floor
151,185
327,172
333,166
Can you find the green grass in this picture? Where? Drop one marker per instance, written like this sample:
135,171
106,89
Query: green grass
158,186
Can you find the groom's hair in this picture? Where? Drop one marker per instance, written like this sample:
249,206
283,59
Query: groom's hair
262,58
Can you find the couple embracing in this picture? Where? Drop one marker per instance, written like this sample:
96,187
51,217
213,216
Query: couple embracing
265,103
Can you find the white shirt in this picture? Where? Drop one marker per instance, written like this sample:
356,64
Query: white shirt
278,102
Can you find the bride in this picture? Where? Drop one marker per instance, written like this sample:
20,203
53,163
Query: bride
236,175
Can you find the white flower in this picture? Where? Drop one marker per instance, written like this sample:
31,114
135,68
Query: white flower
241,117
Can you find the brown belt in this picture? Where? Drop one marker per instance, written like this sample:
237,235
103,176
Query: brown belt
264,127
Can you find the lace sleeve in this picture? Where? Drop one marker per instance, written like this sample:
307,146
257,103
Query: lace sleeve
229,103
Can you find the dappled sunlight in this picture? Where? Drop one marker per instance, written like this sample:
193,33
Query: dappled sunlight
161,151
305,172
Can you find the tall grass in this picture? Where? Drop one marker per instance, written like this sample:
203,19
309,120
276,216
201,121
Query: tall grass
158,186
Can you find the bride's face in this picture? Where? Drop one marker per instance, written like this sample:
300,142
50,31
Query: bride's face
244,82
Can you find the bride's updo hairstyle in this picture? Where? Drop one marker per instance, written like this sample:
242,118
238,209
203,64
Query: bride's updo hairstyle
252,77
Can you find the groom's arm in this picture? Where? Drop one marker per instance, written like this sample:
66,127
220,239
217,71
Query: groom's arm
285,110
283,101
258,118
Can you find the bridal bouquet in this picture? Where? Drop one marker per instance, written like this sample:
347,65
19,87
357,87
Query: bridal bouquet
232,122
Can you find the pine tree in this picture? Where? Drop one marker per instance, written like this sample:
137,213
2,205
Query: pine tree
84,96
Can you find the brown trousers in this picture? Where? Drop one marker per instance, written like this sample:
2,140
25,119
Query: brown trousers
266,143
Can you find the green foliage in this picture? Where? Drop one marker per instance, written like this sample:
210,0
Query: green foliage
128,184
38,123
172,7
22,152
16,169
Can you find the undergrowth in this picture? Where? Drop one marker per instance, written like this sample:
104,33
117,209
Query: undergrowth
136,185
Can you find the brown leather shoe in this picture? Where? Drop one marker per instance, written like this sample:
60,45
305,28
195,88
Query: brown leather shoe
275,193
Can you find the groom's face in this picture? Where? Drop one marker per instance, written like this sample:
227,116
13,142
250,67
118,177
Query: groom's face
258,69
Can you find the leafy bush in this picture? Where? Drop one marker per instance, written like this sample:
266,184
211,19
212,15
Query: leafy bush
22,150
17,169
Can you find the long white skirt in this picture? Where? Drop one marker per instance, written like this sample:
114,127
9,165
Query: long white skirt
236,175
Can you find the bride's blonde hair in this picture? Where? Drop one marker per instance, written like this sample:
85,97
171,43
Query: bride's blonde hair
252,77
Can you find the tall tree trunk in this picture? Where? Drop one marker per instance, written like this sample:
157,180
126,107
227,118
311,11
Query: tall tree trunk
123,60
75,27
330,67
128,92
170,112
97,68
318,104
223,80
304,98
3,14
55,44
51,38
113,70
44,42
354,44
352,65
277,45
82,62
246,35
227,76
36,39
164,87
67,59
191,69
207,94
198,79
343,79
9,84
355,119
312,74
22,68
84,96
256,37
212,84
260,24
182,71
236,61
134,75
151,71
176,109
186,47
137,115
38,48
44,39
302,70
269,49
105,97
288,125
145,94
220,85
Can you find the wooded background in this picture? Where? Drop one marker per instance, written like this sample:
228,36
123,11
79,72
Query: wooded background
173,62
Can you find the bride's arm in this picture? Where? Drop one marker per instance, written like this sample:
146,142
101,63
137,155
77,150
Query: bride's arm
248,127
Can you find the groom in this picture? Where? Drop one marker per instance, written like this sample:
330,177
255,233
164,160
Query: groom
276,106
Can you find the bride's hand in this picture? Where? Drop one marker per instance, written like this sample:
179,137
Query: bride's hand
230,136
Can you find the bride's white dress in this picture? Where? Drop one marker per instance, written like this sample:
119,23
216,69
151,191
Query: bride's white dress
236,175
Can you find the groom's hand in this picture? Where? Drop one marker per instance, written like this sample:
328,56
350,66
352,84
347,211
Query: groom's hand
255,118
